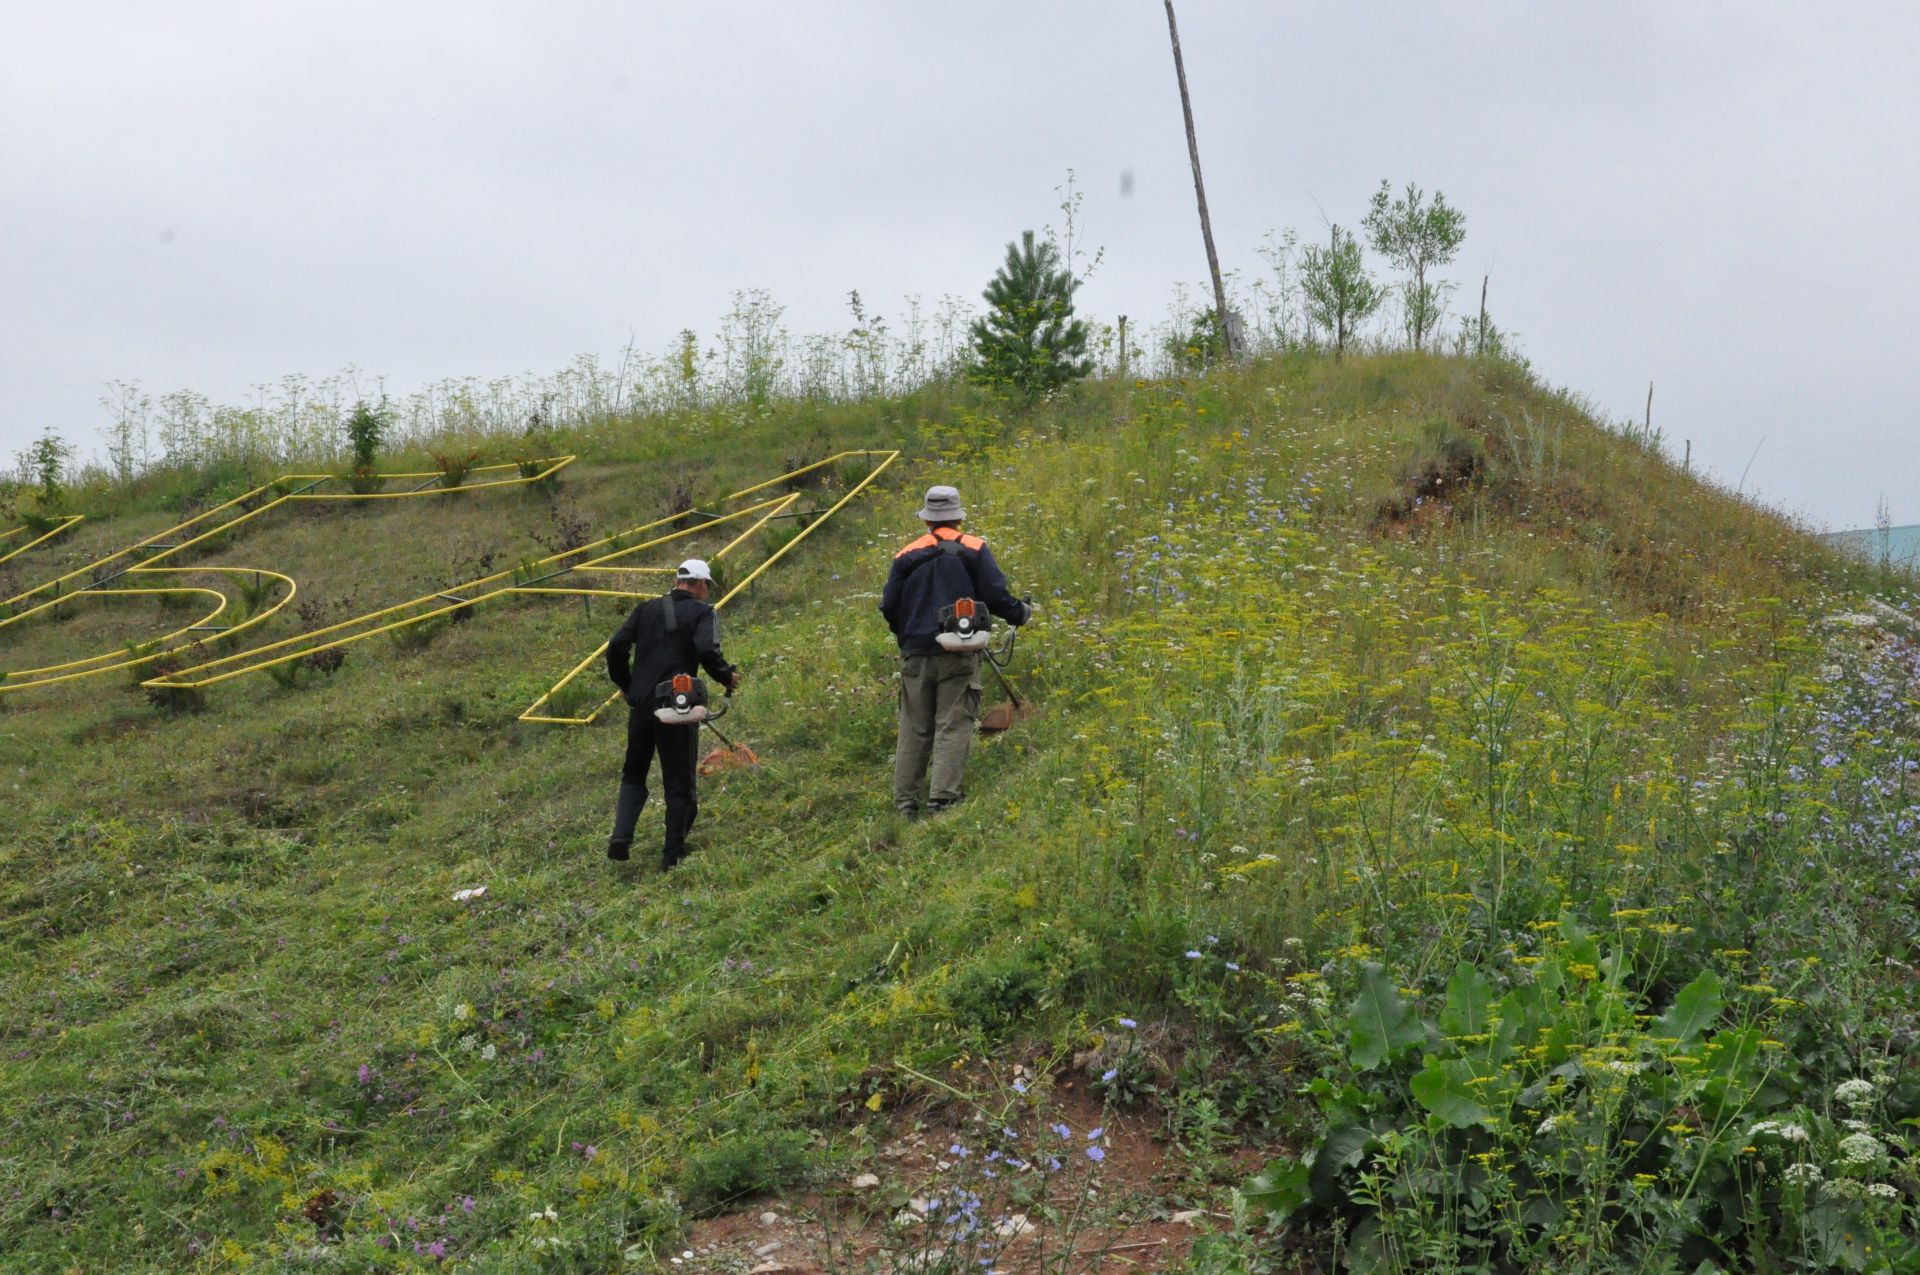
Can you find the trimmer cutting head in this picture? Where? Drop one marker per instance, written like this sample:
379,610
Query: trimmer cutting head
1002,716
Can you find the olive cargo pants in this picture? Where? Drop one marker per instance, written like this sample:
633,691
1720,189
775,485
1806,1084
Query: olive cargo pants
939,702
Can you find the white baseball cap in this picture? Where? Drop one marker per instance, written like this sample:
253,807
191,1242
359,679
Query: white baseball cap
693,569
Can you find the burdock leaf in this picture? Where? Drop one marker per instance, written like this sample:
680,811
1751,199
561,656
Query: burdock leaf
1694,1010
1380,1023
1469,1010
1443,1088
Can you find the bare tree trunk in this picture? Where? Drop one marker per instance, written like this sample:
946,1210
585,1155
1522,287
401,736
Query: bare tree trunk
1200,189
1647,425
1480,342
1123,347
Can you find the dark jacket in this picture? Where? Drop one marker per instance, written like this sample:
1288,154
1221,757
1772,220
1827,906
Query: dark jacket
658,654
927,576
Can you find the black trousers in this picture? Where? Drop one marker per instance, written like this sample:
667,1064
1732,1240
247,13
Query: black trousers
678,747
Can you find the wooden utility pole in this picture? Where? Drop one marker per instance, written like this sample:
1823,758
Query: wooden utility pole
1123,347
1200,189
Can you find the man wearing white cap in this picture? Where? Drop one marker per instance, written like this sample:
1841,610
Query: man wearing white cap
939,687
665,637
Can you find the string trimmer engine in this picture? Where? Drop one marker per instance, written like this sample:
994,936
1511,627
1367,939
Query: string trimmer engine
681,700
964,626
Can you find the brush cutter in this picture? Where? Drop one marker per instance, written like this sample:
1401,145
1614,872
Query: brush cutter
1002,716
733,756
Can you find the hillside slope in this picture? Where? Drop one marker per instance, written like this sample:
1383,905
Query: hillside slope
1368,690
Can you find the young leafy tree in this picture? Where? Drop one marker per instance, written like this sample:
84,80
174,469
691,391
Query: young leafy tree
1338,292
1417,235
46,461
1029,339
366,430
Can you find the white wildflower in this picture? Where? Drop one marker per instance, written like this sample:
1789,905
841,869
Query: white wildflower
488,1053
463,1011
1861,1149
1785,1131
1884,1191
1550,1124
1802,1174
1854,1093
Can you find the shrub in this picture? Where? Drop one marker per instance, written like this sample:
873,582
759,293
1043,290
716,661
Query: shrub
454,467
412,638
1200,346
743,1164
993,995
286,676
254,592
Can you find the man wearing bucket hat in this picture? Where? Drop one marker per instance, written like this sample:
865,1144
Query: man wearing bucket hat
664,638
939,688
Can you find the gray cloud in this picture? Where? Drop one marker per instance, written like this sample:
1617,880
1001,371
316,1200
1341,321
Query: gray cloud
1713,197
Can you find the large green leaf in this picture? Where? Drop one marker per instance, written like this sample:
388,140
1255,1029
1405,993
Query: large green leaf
1444,1087
1469,1010
1694,1010
1380,1023
1344,1147
1280,1190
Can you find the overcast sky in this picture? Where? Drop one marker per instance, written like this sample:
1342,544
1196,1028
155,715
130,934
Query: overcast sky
1714,197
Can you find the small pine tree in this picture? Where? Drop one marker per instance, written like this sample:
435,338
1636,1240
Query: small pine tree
1029,339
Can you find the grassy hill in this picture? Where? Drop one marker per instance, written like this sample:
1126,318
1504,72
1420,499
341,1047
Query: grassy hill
1433,793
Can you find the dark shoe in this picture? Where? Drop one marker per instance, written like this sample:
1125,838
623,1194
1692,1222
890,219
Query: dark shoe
617,851
939,804
670,858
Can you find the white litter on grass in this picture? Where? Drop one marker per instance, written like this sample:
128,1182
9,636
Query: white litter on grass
472,892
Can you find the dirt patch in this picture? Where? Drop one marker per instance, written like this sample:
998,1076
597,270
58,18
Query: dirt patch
1453,463
1123,1211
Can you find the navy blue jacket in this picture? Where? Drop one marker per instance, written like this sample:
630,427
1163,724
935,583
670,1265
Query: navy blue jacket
928,577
